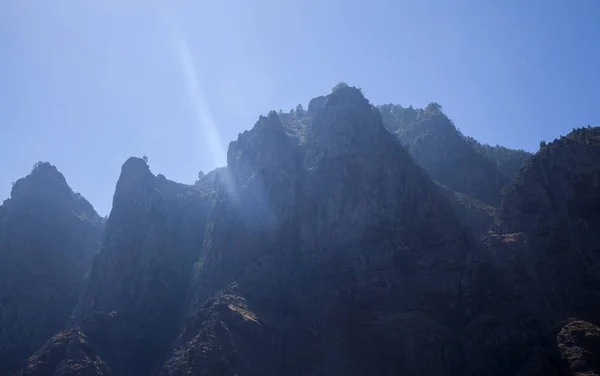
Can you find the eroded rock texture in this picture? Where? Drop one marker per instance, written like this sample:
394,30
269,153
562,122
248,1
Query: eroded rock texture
579,347
68,353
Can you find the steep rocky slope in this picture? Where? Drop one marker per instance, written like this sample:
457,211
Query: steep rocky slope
554,209
322,248
579,348
546,240
478,215
508,161
435,144
133,303
472,175
48,236
330,252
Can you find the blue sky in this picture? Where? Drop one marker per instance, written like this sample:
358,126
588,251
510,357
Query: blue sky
84,84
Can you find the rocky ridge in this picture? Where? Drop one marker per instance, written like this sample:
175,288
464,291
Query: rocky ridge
434,142
324,248
321,286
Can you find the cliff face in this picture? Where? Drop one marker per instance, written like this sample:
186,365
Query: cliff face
553,207
472,175
341,249
436,145
478,215
133,302
48,236
545,241
322,248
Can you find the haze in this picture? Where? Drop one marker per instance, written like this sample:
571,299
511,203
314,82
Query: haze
86,84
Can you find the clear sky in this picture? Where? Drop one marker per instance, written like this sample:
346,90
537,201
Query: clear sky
84,84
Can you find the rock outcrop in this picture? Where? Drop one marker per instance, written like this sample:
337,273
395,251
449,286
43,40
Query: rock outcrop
579,346
68,353
341,247
315,105
225,338
322,248
554,205
134,298
546,243
471,174
48,237
436,145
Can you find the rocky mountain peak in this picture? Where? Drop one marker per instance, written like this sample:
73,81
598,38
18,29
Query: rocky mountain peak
136,290
44,179
46,186
346,125
260,162
265,145
135,166
333,242
434,142
134,172
341,106
48,237
335,223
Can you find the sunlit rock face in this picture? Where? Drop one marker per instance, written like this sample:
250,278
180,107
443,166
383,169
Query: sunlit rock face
48,236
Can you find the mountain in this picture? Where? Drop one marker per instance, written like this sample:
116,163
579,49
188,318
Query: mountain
333,243
317,238
508,161
546,241
553,210
328,247
133,302
435,144
471,174
48,237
